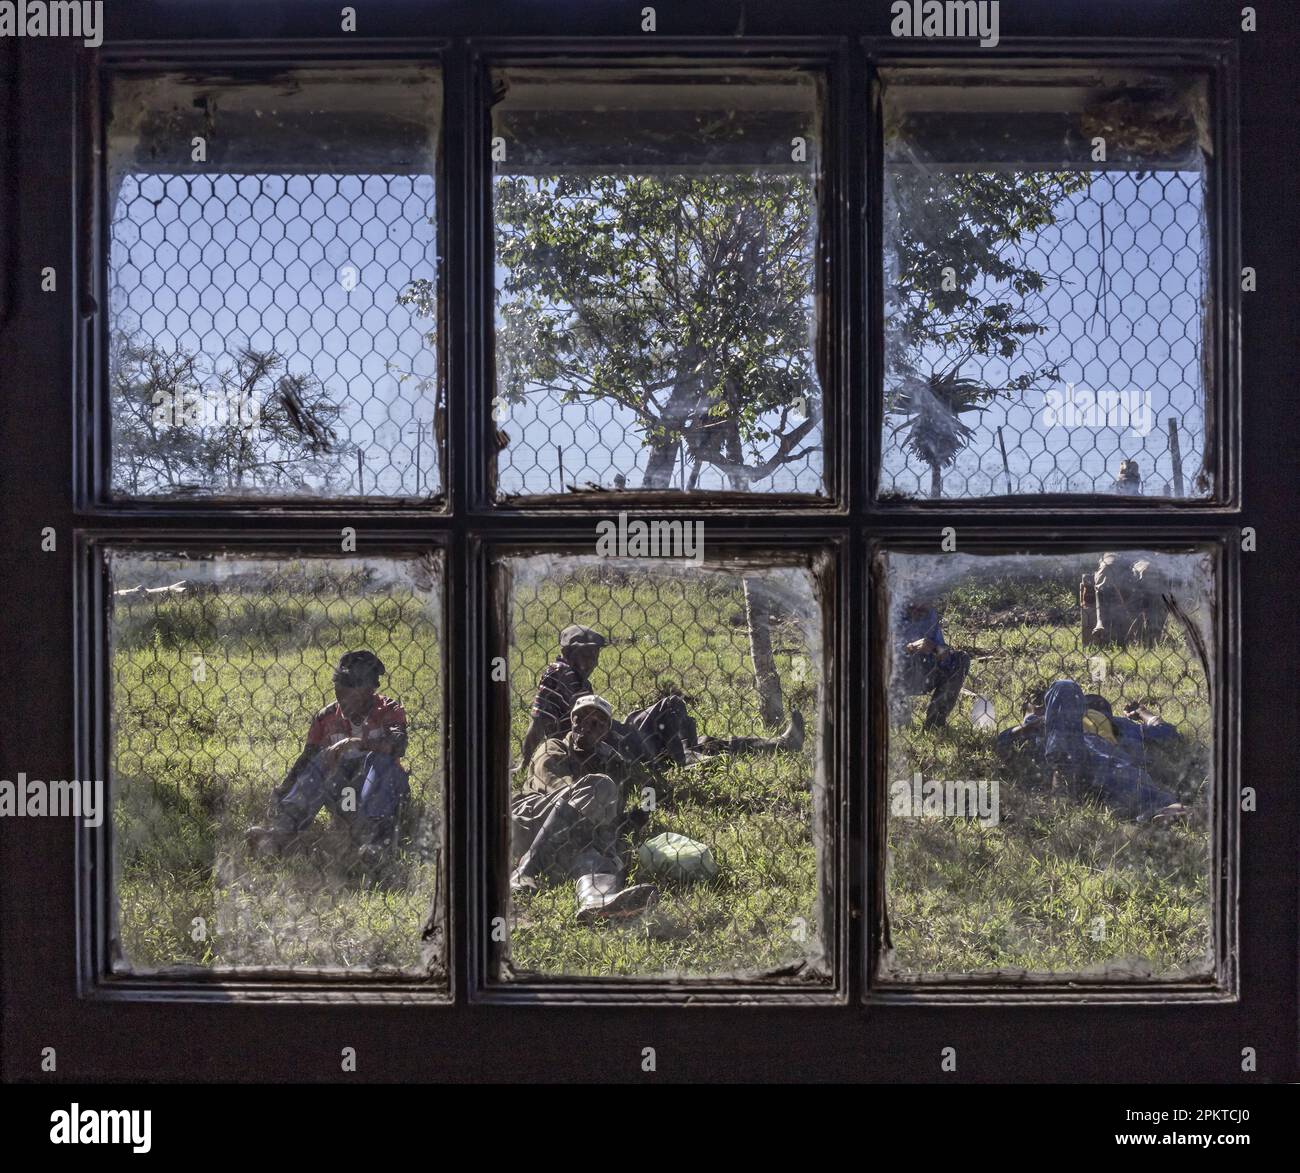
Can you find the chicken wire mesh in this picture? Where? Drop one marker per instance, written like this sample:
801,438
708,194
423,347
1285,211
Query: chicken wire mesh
273,327
1050,764
696,849
657,312
1047,292
225,719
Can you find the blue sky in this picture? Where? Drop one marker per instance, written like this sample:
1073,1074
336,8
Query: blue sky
215,262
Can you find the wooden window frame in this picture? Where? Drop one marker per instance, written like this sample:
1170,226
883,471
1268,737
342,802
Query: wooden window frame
50,904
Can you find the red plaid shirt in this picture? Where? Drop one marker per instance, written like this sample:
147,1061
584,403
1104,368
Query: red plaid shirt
330,725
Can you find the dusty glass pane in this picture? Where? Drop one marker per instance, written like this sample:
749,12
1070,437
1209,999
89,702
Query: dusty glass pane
244,836
272,286
656,282
1050,765
1046,269
684,837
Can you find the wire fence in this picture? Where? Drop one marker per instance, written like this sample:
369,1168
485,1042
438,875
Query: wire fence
696,848
275,335
1050,764
222,676
261,343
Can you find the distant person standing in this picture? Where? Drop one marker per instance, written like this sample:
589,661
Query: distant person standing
924,663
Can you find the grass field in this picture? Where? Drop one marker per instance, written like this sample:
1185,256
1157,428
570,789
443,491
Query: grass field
761,913
213,692
1056,886
1059,885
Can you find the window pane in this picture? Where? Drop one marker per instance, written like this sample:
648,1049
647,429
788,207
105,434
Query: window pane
241,838
273,286
1050,765
695,847
657,291
1047,300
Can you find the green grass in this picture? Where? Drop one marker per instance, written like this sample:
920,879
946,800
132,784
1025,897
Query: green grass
198,748
761,913
1059,885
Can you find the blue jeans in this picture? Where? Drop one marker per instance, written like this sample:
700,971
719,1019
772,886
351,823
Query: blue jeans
381,788
1094,761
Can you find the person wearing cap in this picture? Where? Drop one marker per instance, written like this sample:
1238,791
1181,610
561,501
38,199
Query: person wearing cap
924,663
664,733
351,763
567,821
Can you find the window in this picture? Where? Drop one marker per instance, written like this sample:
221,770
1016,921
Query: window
658,281
715,678
398,368
273,286
1051,766
1047,284
223,674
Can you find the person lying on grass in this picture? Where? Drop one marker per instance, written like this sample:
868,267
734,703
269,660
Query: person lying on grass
567,822
1075,736
924,663
665,734
351,763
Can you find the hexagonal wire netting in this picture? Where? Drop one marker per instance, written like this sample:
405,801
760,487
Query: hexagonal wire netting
657,281
1045,312
712,809
221,672
1050,764
273,322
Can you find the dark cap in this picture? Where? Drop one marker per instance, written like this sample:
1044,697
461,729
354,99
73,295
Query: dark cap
574,636
359,670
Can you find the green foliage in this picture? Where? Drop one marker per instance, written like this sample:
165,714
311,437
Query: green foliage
932,409
282,440
686,299
972,224
969,222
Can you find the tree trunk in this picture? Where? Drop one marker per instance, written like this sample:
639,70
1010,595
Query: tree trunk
659,467
683,405
936,482
758,612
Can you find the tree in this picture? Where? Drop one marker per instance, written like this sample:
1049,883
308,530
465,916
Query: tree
956,287
185,424
931,410
688,300
685,299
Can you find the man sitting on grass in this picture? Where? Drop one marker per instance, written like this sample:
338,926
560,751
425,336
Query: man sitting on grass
350,764
1076,737
664,734
924,663
567,822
